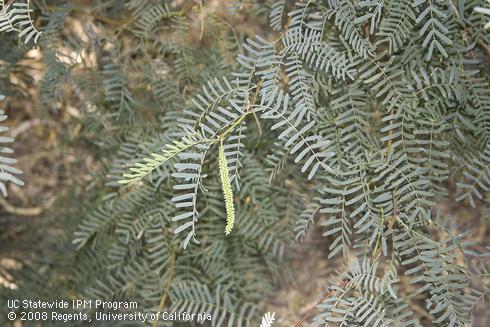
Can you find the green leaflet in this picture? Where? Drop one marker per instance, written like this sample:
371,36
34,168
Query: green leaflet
141,170
16,17
8,173
227,192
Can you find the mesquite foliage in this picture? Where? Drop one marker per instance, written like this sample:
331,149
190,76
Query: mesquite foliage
351,117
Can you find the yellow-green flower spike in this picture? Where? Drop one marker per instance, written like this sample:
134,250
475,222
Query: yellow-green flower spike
227,192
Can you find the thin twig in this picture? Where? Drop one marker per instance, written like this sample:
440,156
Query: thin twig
327,294
168,285
310,311
26,212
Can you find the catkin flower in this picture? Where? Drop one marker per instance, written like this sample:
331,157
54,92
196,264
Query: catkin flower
227,192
